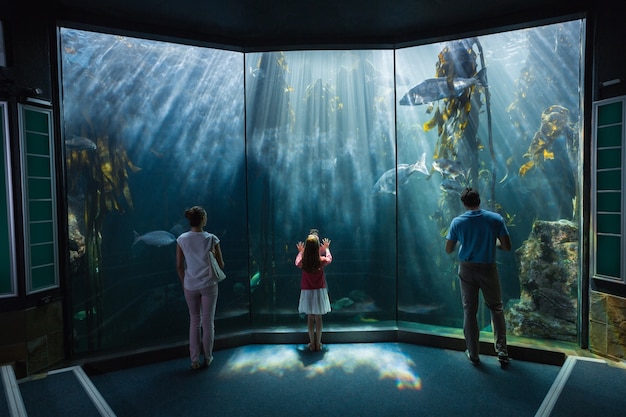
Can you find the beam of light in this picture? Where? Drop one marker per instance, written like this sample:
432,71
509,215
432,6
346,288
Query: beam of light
389,362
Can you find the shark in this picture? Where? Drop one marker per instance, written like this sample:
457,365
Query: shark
387,182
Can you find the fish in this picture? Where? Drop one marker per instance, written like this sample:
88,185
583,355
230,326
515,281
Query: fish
155,238
448,168
360,318
422,309
452,186
387,182
82,314
434,89
239,289
255,280
79,143
342,303
256,72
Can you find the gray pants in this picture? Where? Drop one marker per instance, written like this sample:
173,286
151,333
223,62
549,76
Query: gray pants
477,277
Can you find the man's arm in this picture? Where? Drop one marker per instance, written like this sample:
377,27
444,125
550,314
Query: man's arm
450,245
504,243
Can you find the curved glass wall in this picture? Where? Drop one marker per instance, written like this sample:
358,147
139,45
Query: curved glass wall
276,143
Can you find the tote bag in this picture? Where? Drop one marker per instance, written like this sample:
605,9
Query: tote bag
218,274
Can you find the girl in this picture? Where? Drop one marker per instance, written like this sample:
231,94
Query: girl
314,301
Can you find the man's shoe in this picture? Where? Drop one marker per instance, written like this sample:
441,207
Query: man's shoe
504,360
474,361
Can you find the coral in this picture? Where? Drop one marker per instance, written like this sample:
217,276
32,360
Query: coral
548,302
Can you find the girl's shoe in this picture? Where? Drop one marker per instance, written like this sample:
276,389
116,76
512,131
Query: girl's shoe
195,365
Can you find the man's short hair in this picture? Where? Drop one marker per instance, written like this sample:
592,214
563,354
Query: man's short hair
470,197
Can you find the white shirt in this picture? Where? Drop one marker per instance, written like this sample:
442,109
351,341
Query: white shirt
196,247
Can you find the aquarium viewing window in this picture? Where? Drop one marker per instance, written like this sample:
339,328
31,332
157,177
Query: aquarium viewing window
370,147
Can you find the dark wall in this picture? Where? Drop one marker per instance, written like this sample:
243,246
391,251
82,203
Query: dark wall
27,32
608,48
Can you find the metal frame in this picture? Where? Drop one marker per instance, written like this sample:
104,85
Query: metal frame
4,114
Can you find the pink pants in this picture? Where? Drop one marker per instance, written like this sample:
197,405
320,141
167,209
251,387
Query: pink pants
201,304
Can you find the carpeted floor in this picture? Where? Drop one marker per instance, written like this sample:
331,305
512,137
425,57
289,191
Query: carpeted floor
592,389
370,379
58,394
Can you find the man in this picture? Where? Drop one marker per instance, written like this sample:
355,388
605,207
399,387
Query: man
479,233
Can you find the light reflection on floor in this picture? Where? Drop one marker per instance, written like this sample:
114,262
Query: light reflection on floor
389,361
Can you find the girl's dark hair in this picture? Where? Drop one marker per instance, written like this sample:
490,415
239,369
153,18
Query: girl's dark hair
470,197
311,256
196,215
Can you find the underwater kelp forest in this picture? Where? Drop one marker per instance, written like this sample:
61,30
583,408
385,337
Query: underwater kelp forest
370,147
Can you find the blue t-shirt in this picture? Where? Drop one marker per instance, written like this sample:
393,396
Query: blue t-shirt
477,231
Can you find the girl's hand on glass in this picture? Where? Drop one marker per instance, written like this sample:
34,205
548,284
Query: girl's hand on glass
300,246
326,243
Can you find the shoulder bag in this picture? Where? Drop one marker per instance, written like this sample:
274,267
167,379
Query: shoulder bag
218,274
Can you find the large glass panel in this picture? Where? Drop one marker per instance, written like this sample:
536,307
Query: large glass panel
150,128
321,154
501,114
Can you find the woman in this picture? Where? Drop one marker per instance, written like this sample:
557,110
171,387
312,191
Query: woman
196,275
314,301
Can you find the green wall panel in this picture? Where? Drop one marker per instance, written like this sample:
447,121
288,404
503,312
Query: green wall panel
39,193
609,136
39,188
610,113
44,277
609,223
41,232
609,201
610,180
37,143
38,166
42,254
36,121
609,158
609,251
608,190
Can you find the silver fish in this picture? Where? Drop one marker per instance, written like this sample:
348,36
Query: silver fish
452,186
448,168
387,182
78,143
342,303
434,89
155,238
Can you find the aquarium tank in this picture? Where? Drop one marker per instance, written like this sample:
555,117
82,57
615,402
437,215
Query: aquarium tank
370,147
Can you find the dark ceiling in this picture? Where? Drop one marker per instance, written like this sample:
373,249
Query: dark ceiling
293,24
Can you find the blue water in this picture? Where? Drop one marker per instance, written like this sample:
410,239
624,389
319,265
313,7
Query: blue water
276,143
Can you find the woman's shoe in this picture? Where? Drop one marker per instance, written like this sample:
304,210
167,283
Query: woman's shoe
195,365
207,362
